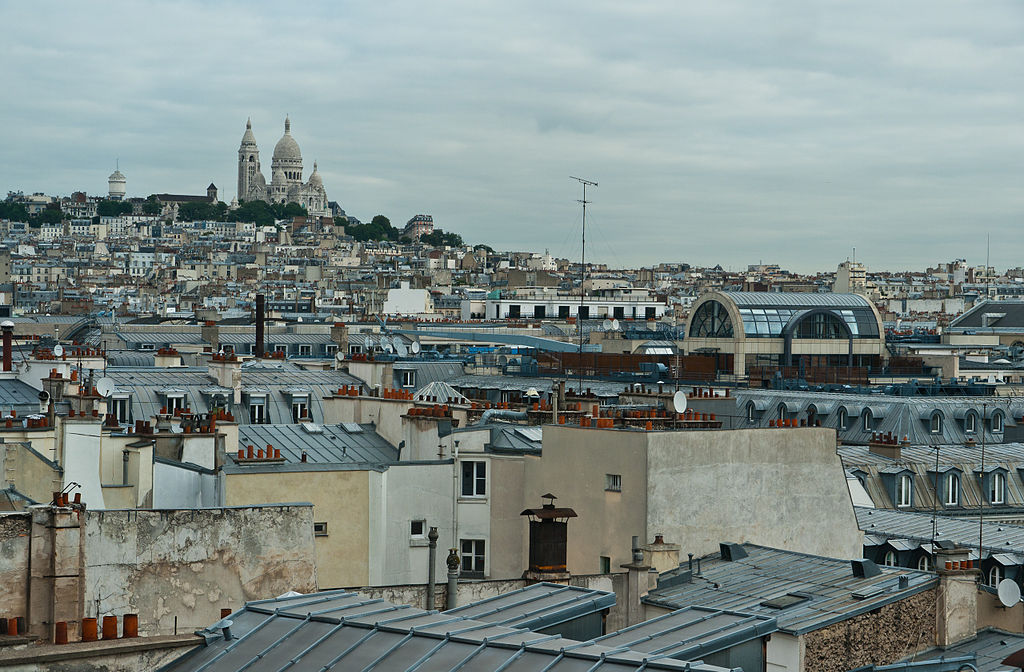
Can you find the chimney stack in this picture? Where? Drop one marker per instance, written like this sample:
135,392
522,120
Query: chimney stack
261,316
8,329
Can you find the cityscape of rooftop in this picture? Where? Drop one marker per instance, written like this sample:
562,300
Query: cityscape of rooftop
574,336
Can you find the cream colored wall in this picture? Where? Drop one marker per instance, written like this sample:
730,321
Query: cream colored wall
573,468
781,488
339,498
509,530
28,474
992,614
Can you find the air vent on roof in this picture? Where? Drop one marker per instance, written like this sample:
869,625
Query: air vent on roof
864,569
732,551
867,593
312,428
786,601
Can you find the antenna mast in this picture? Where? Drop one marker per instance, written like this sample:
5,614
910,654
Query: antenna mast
583,259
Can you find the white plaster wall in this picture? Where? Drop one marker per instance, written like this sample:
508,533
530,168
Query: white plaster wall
783,653
417,492
177,488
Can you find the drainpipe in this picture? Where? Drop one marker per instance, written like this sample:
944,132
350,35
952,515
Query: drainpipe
124,467
453,577
432,555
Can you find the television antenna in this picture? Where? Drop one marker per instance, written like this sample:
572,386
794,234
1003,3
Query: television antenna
583,260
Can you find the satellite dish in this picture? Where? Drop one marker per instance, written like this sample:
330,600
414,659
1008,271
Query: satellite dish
105,387
607,325
385,341
402,350
615,325
502,360
367,343
1009,592
58,350
340,356
679,401
388,348
532,392
415,347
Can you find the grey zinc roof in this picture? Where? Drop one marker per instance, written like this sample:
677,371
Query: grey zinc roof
339,630
330,444
742,585
997,537
537,607
991,647
18,395
691,633
1013,320
921,461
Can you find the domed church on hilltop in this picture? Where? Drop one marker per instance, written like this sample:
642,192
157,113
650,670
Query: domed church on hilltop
286,185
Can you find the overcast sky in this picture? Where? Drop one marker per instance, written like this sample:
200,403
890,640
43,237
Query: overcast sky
720,132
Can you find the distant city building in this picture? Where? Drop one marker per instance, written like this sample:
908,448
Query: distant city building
116,185
420,225
286,185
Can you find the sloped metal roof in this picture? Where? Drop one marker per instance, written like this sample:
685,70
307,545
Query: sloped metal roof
344,631
537,607
332,444
766,573
797,300
997,537
441,392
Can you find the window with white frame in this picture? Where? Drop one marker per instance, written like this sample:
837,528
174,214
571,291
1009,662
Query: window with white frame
905,491
281,348
995,575
258,410
613,482
474,478
890,559
997,422
305,350
320,529
924,563
175,402
408,378
936,424
417,528
331,350
121,409
951,490
472,557
355,349
842,418
996,488
782,411
751,413
300,409
866,417
971,423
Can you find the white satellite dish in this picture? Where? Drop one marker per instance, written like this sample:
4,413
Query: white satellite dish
415,347
615,325
607,325
532,392
385,341
105,387
58,350
679,401
402,350
367,343
340,356
388,348
1009,592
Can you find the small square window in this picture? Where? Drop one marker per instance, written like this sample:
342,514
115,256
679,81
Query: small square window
613,482
606,565
416,528
320,529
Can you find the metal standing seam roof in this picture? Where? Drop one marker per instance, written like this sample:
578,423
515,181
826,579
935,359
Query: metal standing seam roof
537,607
340,630
18,395
743,584
990,647
331,444
997,537
691,633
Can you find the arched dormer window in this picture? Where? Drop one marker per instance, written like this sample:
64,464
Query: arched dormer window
890,559
711,320
971,422
997,422
935,423
867,420
843,418
751,412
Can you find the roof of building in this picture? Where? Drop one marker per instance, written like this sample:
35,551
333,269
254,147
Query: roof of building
908,417
691,633
991,647
921,462
328,444
797,300
996,316
440,392
824,590
537,607
887,526
343,630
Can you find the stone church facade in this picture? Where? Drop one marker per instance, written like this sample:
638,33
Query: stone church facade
286,185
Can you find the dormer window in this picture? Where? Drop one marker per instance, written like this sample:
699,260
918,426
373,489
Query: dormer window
890,559
951,489
175,402
843,418
997,422
751,413
258,410
300,409
971,422
936,423
996,488
121,409
905,491
867,420
782,411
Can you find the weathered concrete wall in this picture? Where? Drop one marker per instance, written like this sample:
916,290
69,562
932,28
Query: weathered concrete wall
339,498
992,614
573,467
186,565
15,529
28,472
510,536
784,488
892,633
121,655
957,607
